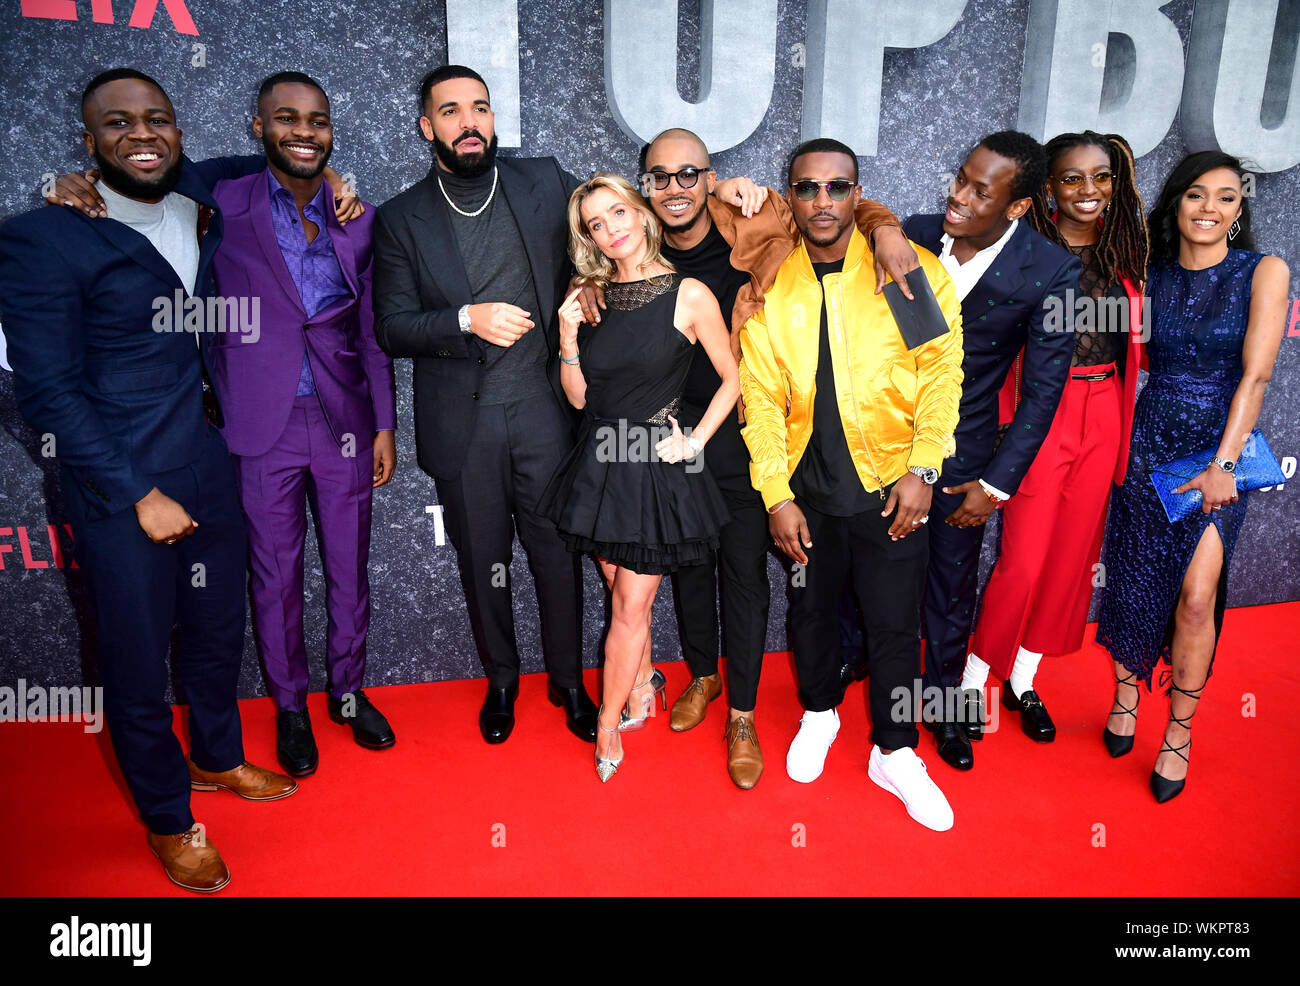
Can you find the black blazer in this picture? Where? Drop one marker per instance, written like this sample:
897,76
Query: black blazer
420,283
123,399
1004,312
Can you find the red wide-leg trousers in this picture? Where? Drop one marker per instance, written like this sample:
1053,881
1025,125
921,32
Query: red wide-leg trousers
1038,594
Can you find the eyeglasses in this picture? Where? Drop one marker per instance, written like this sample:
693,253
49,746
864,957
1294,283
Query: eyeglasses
1101,179
837,188
686,178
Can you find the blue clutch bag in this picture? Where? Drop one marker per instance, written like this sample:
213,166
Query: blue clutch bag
1256,468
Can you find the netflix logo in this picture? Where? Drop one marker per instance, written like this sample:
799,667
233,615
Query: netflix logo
47,551
101,12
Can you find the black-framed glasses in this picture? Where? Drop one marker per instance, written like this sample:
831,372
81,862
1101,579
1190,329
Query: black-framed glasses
805,190
686,178
1101,179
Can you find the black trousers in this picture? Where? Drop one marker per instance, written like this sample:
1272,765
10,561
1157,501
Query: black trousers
513,453
950,584
742,559
888,578
140,590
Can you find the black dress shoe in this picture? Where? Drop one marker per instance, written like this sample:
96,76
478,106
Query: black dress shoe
369,727
1034,720
295,746
973,718
579,710
849,673
496,719
954,748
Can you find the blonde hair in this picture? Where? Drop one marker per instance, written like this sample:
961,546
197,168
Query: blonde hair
593,266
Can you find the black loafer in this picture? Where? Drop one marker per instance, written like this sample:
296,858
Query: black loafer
973,718
295,746
579,710
369,727
1034,720
496,719
953,746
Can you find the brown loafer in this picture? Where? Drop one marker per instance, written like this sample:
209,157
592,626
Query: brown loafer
744,758
249,782
190,861
690,707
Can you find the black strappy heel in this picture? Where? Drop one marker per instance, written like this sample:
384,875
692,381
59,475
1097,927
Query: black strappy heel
1116,744
1162,787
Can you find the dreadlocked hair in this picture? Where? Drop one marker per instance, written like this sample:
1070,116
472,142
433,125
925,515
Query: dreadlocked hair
1123,247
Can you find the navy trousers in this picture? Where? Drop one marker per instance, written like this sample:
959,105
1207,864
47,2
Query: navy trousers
140,591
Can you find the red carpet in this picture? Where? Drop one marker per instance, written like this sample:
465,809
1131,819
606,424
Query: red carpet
421,818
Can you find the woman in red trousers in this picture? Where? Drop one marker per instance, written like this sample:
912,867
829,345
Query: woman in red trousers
1036,601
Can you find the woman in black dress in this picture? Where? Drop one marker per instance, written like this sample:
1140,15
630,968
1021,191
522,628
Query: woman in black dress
634,490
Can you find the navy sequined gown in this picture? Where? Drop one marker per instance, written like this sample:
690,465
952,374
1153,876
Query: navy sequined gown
1198,328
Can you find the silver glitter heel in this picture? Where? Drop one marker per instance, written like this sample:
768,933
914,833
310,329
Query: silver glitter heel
605,768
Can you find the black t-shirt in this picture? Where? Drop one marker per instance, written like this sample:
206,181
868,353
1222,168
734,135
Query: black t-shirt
826,478
727,456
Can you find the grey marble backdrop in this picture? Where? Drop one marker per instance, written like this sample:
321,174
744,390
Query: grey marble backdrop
936,102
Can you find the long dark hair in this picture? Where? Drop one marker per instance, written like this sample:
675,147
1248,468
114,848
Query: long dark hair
1164,217
1122,247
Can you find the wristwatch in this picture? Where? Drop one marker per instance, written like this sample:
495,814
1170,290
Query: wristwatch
462,317
927,476
1227,465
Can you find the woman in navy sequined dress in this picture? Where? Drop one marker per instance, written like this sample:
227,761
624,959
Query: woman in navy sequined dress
1217,316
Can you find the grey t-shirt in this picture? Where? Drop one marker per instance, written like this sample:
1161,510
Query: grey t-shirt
497,266
170,225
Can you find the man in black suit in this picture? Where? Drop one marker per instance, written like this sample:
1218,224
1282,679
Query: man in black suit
107,362
1005,274
471,264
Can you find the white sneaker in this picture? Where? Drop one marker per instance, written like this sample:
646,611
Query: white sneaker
808,750
903,774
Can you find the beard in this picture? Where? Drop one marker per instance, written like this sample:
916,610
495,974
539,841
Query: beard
466,165
826,240
287,164
683,223
125,183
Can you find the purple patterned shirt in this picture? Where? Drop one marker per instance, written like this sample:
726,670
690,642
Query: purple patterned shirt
313,266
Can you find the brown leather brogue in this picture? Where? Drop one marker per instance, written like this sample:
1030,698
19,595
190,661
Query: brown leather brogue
690,707
249,782
190,861
744,757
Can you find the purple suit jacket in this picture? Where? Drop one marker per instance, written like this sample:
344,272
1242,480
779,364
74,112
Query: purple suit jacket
256,373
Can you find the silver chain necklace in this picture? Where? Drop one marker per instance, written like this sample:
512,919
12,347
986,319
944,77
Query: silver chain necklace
479,210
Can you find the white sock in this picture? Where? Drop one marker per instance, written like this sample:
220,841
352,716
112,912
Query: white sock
1022,672
976,673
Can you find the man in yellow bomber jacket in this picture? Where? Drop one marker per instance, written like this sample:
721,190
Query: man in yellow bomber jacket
847,429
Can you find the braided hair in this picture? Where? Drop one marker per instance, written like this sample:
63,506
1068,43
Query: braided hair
1122,249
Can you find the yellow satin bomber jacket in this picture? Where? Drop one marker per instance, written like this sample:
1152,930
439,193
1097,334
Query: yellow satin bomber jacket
898,407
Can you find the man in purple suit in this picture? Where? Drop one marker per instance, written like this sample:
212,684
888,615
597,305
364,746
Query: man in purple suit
310,403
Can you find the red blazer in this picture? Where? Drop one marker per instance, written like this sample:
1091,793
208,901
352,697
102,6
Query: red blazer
1009,397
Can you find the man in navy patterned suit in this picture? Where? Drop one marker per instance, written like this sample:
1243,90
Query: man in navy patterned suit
1006,276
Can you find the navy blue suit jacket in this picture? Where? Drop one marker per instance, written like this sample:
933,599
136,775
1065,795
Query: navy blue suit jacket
1004,312
124,402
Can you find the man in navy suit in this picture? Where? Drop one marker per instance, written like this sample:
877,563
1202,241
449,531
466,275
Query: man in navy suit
110,357
1006,276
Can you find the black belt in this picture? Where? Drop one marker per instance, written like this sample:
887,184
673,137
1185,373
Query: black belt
1093,377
